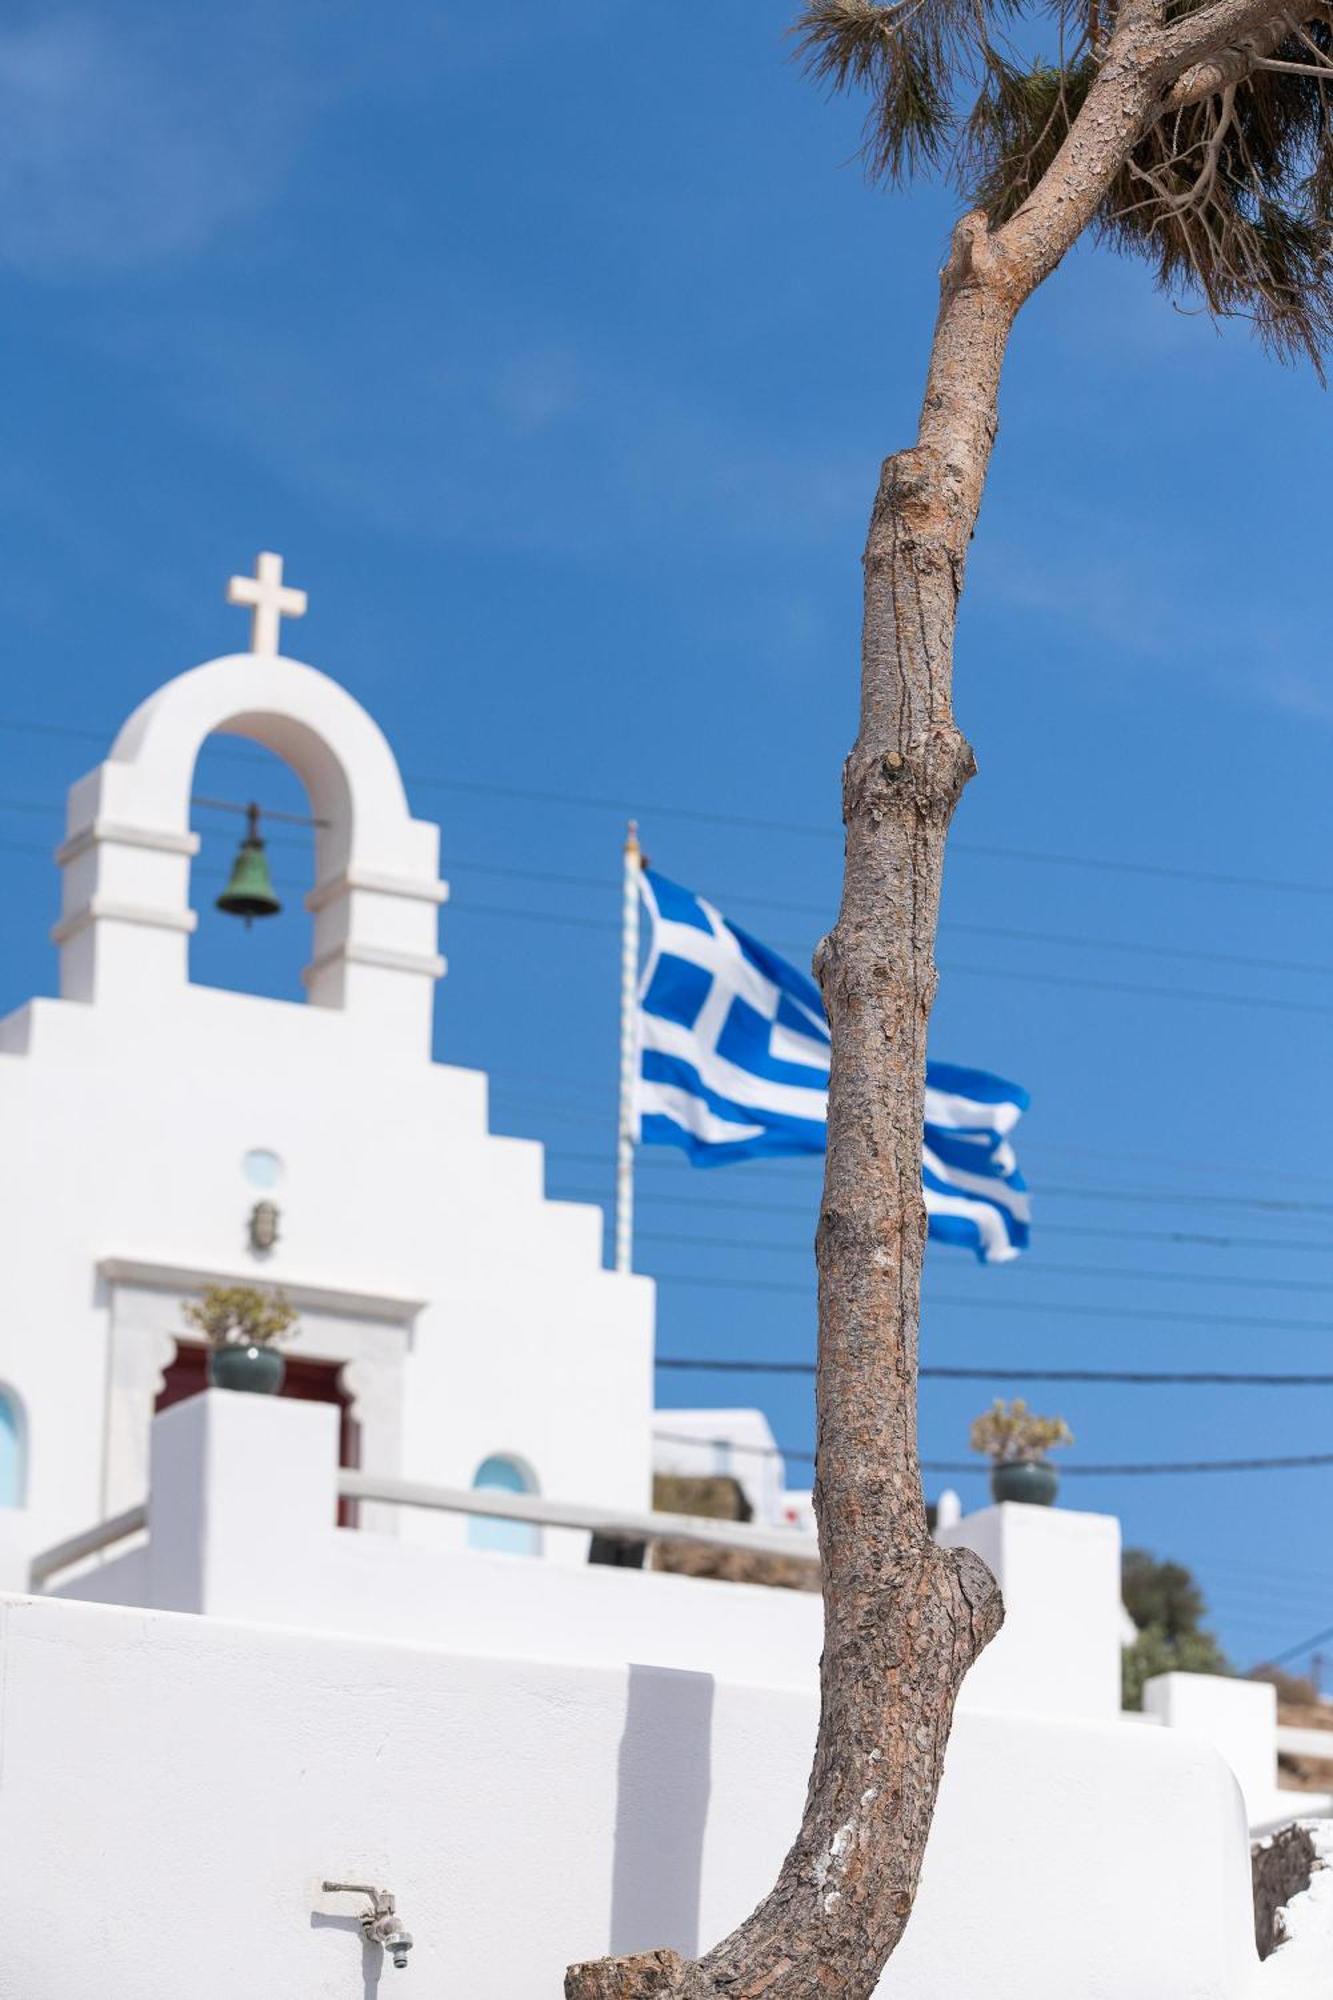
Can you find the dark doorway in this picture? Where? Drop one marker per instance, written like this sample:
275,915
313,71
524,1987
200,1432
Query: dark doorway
308,1381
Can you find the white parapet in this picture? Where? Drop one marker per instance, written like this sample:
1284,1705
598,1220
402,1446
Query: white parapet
1239,1719
238,1484
242,1518
242,1513
1058,1653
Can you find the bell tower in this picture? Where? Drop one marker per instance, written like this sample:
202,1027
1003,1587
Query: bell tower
126,919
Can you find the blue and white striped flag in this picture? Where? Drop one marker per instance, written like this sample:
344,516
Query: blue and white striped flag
734,1064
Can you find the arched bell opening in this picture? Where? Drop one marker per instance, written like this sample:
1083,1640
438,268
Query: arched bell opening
255,867
130,905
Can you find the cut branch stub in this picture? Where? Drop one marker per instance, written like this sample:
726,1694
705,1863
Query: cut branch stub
652,1975
926,777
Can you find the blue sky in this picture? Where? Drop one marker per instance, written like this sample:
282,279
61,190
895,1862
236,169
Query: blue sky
557,350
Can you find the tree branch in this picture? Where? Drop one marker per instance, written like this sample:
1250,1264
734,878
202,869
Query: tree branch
1323,70
1214,30
1224,43
1232,64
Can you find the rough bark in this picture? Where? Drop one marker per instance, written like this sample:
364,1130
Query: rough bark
1282,1868
904,1620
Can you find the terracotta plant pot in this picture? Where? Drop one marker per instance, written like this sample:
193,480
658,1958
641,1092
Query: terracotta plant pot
260,1370
1028,1480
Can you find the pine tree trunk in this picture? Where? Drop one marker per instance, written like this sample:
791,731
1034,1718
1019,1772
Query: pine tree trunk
903,1620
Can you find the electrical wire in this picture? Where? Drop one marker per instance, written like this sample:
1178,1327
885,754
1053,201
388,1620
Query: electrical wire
488,788
1033,1269
605,885
1175,1197
1026,976
1068,1308
1193,995
1305,1646
1188,1237
1150,1378
1135,1469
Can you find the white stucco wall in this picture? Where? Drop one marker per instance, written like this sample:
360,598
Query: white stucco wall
176,1788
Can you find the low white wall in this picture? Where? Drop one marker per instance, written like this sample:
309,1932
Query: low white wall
241,1511
1058,1652
1239,1718
176,1788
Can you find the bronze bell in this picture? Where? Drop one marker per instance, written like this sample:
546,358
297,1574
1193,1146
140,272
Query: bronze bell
249,893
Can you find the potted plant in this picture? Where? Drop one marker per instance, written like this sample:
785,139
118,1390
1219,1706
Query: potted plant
242,1327
1016,1442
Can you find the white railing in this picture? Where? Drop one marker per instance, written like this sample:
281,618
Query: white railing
1305,1742
615,1524
77,1548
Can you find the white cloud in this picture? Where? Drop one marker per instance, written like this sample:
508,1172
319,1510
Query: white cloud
134,131
121,145
1299,693
537,388
482,429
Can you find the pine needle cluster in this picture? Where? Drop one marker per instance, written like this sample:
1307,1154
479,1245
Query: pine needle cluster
1230,199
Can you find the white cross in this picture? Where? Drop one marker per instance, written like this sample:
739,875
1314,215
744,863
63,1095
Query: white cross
270,600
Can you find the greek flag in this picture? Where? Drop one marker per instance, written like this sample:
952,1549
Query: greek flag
734,1064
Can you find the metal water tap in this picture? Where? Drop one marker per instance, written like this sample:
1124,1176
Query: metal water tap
379,1924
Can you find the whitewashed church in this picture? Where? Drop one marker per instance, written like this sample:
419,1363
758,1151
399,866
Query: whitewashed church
457,1318
285,1706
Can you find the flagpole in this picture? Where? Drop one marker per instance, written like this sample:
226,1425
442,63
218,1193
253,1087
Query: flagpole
629,1049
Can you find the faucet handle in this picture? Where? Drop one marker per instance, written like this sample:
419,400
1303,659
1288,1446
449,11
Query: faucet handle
355,1889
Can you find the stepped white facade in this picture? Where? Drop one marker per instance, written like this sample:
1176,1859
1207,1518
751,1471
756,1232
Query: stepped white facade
463,1318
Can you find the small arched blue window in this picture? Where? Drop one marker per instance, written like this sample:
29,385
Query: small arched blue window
514,1538
13,1451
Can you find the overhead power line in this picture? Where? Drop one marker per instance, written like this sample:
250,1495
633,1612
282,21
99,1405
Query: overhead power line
1071,1309
1193,995
606,885
828,830
561,1084
1155,1197
1304,1646
938,1371
1139,1469
1025,976
1177,1197
610,886
1187,1237
958,1466
1034,1268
